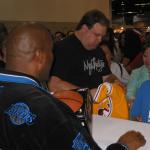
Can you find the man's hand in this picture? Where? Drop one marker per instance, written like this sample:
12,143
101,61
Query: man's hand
56,84
132,139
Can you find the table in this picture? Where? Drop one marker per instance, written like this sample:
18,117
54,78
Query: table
106,130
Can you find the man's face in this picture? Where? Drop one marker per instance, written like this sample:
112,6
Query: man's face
94,36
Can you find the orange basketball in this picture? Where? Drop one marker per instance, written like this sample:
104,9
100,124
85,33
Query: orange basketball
73,99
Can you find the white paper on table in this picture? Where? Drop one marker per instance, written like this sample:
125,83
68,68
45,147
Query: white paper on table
106,131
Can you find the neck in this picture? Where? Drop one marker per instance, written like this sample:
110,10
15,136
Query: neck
22,68
78,35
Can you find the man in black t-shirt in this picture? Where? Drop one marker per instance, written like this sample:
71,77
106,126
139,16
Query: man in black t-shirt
77,65
30,117
79,61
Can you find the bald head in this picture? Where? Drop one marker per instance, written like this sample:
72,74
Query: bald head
26,46
26,39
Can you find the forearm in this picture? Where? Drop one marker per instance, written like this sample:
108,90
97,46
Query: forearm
63,85
56,84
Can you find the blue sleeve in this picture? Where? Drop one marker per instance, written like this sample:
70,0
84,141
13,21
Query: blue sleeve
136,108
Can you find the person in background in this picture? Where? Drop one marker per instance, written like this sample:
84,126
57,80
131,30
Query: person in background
70,32
132,46
31,118
118,55
108,47
79,61
137,60
112,42
59,36
116,68
147,33
139,75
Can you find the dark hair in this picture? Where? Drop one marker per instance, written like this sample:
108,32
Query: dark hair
92,17
59,36
61,33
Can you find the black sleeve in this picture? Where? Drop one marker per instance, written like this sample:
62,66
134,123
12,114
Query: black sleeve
117,146
71,138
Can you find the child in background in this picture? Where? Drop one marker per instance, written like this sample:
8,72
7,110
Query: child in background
116,68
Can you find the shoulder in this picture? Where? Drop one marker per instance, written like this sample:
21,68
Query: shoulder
138,70
144,89
66,45
42,100
114,64
26,91
66,40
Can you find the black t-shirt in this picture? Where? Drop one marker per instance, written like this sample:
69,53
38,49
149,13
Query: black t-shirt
75,64
32,119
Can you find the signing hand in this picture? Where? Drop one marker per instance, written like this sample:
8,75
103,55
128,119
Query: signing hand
132,139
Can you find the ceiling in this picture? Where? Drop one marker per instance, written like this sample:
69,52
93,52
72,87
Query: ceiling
131,10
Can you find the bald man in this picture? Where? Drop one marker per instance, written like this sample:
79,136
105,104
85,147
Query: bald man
30,118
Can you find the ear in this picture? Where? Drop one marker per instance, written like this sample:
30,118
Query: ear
39,59
85,28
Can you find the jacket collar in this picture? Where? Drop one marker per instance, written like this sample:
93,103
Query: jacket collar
16,77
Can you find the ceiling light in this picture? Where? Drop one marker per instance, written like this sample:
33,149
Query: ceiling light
142,4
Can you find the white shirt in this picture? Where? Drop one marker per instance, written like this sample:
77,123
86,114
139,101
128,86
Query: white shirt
123,75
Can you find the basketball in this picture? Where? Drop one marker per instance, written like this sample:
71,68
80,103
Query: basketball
73,99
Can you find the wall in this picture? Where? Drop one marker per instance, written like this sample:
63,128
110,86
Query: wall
48,10
53,11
